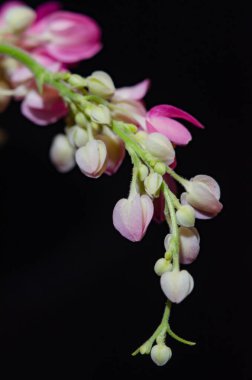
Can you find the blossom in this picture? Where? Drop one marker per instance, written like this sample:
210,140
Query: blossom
160,147
92,158
203,193
177,285
132,216
67,36
189,244
160,119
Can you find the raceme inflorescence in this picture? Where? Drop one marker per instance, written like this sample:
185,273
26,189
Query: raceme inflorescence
102,122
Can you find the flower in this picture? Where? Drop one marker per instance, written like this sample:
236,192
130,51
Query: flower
185,216
160,119
136,92
177,285
132,216
66,36
160,354
189,244
62,153
92,158
160,147
203,193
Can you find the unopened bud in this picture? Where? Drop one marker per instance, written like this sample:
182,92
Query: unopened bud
77,136
160,354
160,168
77,81
185,216
81,119
101,84
152,184
141,136
177,285
62,154
162,265
100,114
19,18
160,147
92,158
143,171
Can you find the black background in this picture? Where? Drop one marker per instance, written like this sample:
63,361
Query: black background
75,296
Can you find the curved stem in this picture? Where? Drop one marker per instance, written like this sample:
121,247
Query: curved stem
176,337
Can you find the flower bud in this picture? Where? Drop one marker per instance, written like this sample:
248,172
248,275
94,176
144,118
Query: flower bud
189,245
142,172
185,216
176,285
162,265
62,154
160,354
160,168
77,81
100,114
152,184
132,216
141,136
19,18
92,158
77,136
81,119
115,150
101,84
4,99
203,193
160,147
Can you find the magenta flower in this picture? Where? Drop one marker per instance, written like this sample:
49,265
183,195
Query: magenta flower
46,9
132,216
160,119
43,110
66,36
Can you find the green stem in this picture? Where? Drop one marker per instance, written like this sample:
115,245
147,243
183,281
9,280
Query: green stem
176,337
175,233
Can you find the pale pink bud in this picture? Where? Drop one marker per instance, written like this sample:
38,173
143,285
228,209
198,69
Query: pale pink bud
100,114
62,154
152,184
100,83
132,216
186,216
189,244
160,354
77,136
115,151
177,285
160,147
203,193
92,158
18,18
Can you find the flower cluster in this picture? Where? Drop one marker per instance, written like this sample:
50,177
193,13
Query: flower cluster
55,39
101,124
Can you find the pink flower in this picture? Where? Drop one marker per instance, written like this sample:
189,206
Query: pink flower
43,110
132,216
136,92
115,151
189,244
66,36
46,9
160,119
203,193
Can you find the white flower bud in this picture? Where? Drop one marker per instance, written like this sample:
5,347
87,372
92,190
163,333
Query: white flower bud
160,147
189,244
177,285
77,81
152,184
160,354
186,216
142,172
92,158
19,18
100,114
101,84
62,154
162,265
81,119
77,136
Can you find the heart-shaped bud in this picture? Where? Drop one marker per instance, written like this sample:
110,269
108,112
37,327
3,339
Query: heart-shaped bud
143,171
189,244
186,216
160,147
203,193
92,158
100,114
162,265
132,216
62,154
177,285
19,18
101,84
152,184
115,151
160,354
77,136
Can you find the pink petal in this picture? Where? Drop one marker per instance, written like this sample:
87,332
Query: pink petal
164,110
148,210
136,92
70,54
198,214
45,9
172,129
212,185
